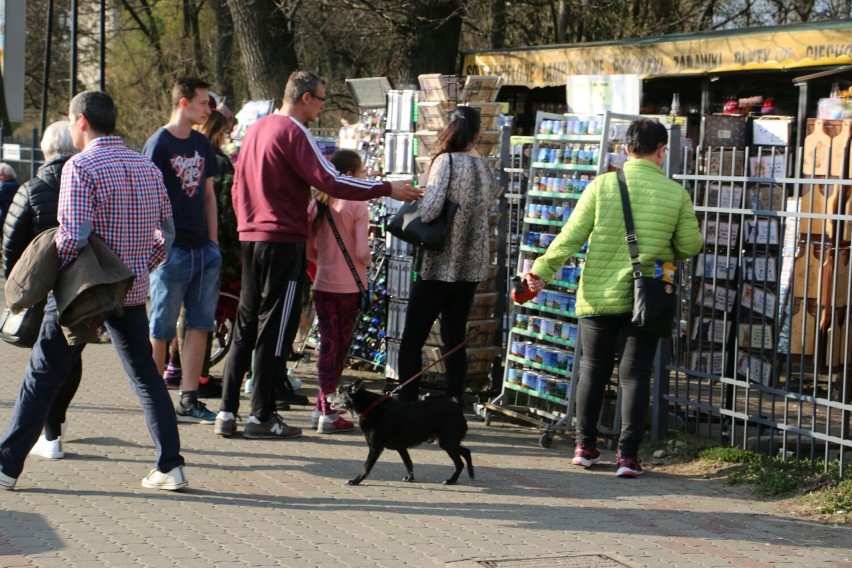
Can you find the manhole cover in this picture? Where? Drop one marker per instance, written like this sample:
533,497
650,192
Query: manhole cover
573,561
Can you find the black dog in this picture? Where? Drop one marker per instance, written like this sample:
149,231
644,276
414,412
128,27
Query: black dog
398,425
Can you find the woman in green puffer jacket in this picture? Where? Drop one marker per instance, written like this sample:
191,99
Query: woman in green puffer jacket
666,229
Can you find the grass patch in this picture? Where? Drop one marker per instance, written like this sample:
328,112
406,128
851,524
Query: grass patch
834,499
823,492
812,490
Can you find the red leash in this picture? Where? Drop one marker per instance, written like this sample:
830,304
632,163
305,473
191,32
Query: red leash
474,331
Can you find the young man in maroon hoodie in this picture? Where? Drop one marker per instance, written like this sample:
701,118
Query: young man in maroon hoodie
279,163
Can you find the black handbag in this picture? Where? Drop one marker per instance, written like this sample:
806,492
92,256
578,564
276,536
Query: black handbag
22,329
407,225
366,299
654,299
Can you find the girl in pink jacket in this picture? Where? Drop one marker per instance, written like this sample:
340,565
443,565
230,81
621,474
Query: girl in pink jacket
336,294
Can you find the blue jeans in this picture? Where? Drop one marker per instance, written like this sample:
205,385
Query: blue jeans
47,371
190,276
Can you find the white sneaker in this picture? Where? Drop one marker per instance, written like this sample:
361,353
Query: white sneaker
174,480
294,382
315,418
249,385
50,449
7,483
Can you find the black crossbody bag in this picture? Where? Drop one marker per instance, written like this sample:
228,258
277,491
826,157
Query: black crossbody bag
407,225
654,300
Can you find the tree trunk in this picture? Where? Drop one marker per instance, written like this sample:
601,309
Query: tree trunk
498,24
192,39
266,39
434,31
224,46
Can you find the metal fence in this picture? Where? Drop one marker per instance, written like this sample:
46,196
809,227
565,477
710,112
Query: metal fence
761,360
23,154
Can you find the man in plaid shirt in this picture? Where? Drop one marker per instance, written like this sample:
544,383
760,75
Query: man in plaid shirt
118,194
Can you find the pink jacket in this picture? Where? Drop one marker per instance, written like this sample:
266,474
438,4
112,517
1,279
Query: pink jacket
352,221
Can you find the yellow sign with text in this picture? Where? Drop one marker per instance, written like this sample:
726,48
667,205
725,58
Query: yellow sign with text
551,66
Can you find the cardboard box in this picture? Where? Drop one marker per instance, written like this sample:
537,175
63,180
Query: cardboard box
728,131
772,130
724,162
773,166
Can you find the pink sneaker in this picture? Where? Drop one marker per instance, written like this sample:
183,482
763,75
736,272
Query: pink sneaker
586,457
628,467
331,423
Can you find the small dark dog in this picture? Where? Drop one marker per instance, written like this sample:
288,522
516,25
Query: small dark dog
399,425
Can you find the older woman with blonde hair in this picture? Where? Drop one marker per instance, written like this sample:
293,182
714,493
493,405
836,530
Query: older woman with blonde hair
33,210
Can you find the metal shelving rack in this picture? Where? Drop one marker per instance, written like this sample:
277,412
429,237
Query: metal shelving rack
542,354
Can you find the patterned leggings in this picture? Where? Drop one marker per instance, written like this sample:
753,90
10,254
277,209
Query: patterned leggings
336,314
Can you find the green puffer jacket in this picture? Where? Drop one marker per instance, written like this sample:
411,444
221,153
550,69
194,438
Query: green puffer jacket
666,229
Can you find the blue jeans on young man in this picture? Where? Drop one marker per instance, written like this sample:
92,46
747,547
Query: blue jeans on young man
188,277
50,360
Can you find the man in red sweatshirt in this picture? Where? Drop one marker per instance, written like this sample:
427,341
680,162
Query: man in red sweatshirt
279,162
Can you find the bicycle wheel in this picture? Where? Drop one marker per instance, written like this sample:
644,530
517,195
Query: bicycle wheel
226,317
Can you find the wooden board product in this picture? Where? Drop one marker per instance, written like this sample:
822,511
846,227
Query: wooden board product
835,280
803,325
838,335
821,199
807,269
840,148
816,151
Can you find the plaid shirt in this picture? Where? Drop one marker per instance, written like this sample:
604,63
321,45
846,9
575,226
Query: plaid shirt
119,194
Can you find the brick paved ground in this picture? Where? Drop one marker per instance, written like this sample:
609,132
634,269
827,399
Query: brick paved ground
285,503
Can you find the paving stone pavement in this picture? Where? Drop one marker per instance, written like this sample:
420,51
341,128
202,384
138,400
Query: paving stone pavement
286,503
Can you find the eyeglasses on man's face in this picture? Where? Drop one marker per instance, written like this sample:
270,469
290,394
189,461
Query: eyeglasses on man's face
319,98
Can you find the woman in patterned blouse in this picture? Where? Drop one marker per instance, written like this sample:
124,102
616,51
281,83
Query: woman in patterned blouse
447,279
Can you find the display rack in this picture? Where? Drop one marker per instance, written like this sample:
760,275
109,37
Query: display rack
401,149
368,337
542,355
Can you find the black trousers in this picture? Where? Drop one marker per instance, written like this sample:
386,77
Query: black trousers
429,299
271,291
601,338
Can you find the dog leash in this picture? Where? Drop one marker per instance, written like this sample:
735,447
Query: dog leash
471,334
